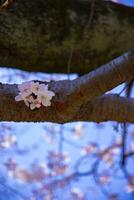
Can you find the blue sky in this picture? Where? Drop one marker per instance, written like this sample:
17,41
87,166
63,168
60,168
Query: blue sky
125,2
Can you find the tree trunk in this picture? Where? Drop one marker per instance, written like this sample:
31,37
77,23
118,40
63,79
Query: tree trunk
39,35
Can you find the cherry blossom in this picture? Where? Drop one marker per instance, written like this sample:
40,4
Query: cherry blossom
78,131
89,149
130,187
7,141
25,88
28,99
43,88
104,178
45,98
35,104
130,184
77,193
35,88
34,94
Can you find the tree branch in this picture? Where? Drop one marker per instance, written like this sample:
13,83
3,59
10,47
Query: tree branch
110,107
101,80
44,32
76,100
104,108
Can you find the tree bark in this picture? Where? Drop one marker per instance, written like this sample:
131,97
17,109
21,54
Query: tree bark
39,35
81,99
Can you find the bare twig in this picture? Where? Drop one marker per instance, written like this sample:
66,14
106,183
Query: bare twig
88,24
124,135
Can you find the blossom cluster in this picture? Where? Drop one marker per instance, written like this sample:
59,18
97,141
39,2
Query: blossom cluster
34,94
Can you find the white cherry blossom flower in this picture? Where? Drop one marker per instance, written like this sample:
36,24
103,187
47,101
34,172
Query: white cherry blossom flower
89,149
34,94
130,188
43,88
78,132
45,98
8,141
35,88
25,89
50,94
77,193
104,178
35,104
27,100
18,97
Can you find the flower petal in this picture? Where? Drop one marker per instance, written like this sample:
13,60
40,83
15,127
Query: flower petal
46,103
18,98
32,106
26,103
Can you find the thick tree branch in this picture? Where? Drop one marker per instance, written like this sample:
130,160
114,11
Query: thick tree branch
107,108
75,100
38,35
104,108
101,80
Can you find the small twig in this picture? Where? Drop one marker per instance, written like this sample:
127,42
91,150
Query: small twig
61,140
124,88
129,154
90,16
69,62
88,24
124,135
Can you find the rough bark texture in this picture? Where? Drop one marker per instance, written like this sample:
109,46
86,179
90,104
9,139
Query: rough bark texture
38,35
79,99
